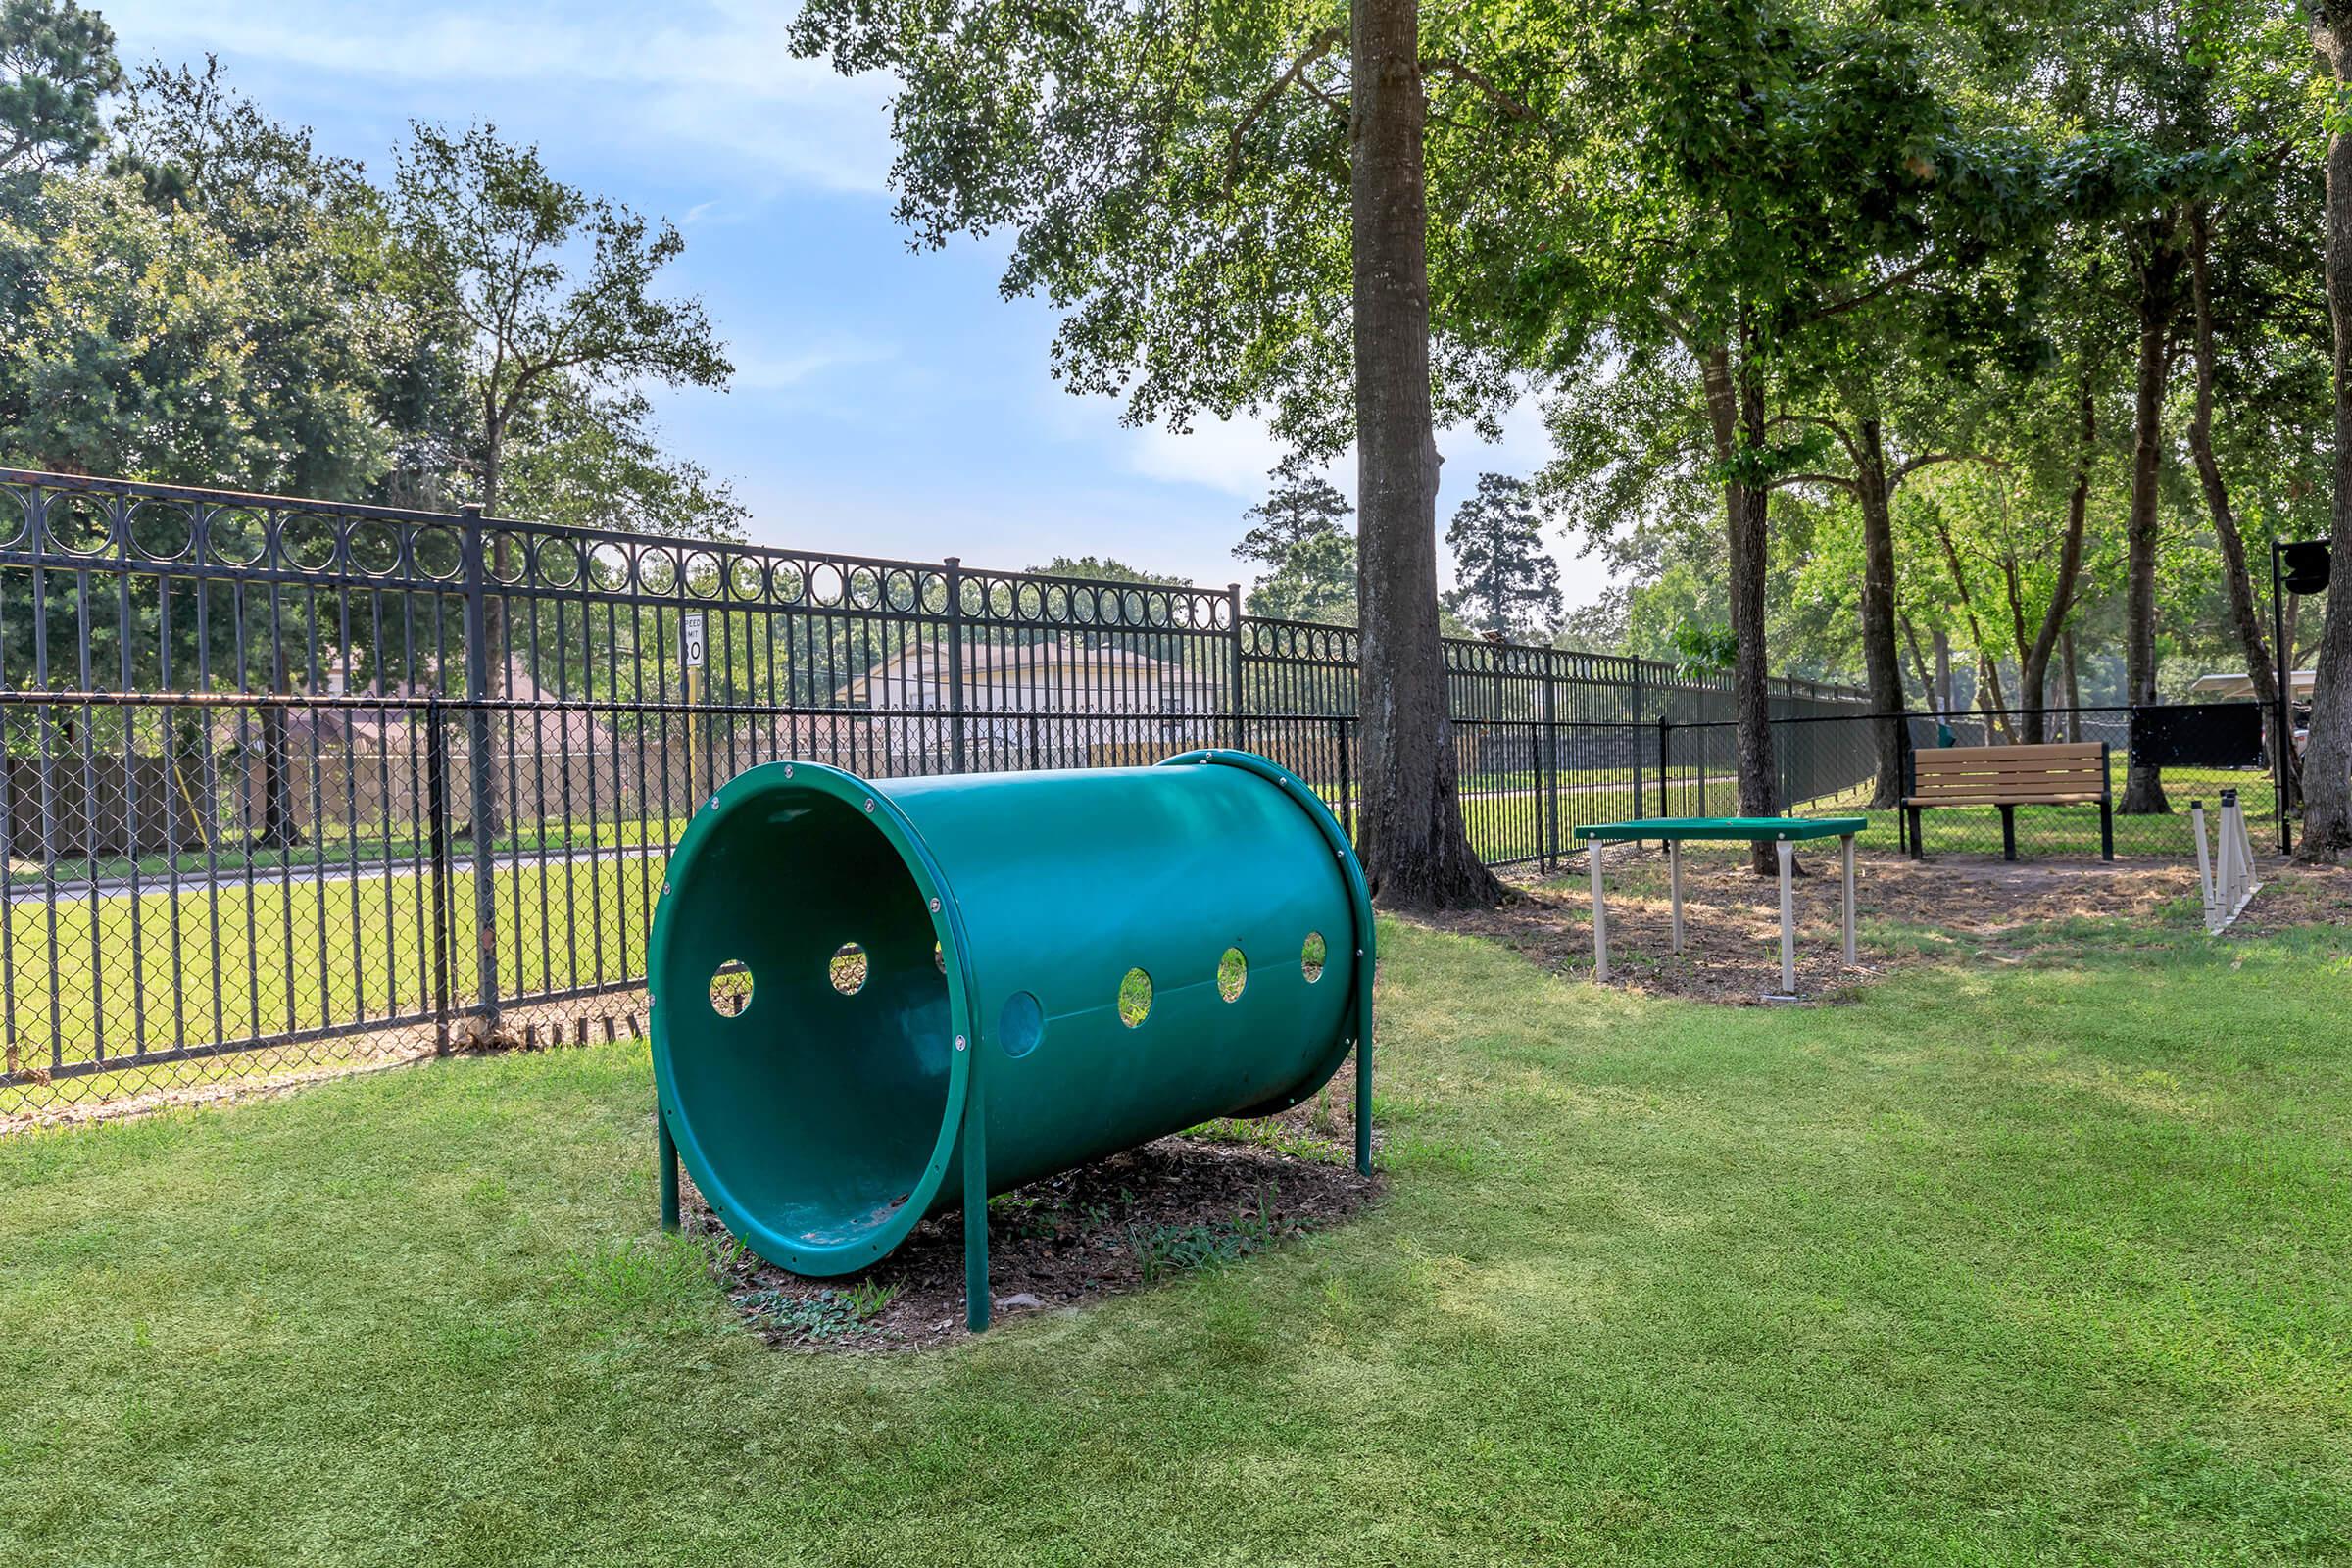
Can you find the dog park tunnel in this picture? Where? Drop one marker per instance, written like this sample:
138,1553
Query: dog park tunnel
868,993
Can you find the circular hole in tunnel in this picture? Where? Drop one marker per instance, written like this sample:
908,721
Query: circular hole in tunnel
1135,997
1021,1025
1233,973
730,989
1312,956
847,968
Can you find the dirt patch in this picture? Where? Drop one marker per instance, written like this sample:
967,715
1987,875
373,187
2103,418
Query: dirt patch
1908,912
1202,1201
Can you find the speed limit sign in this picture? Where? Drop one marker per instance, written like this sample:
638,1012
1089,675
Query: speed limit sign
691,625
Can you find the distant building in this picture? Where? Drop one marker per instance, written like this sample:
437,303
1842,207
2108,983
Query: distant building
1121,697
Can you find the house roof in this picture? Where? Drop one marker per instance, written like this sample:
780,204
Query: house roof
928,660
2299,683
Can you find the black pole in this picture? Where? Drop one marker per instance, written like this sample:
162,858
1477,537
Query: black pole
2284,756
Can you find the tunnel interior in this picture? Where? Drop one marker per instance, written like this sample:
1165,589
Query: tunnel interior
805,1013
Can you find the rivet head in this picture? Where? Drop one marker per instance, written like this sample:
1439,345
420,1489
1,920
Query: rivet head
960,1042
788,770
870,803
934,906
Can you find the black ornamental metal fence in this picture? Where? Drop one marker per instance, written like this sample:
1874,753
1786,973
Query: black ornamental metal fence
287,785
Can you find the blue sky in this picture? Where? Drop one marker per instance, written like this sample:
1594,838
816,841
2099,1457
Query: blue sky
885,402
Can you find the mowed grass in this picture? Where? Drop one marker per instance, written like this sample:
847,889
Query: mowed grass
244,960
2047,1263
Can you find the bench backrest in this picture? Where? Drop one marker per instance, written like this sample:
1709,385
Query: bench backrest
1985,774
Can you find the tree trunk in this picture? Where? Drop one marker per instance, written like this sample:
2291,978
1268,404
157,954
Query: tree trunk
2034,668
2245,615
1415,849
1751,699
2327,762
2143,786
1943,670
1918,662
2073,687
278,831
1882,663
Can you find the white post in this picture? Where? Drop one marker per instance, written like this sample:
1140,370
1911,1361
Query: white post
1848,846
2227,881
1788,919
2245,854
1600,914
1674,883
2205,887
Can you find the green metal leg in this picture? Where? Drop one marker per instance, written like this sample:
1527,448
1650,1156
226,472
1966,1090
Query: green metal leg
976,1302
1363,1100
665,1155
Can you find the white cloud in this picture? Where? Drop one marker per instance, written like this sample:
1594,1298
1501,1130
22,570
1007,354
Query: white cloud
762,367
720,75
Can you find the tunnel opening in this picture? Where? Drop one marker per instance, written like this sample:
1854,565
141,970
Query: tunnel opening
806,1018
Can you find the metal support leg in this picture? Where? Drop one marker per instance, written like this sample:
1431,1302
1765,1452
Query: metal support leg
1788,918
1846,845
1363,1068
665,1156
976,1302
1600,914
2206,888
1673,884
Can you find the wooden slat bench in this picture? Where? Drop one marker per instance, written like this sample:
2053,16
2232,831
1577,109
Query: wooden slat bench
2061,773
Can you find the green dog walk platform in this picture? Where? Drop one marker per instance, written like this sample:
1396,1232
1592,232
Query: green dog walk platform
1786,832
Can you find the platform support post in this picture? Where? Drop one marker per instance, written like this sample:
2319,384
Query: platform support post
1674,886
666,1157
1787,853
976,1302
1846,851
1601,913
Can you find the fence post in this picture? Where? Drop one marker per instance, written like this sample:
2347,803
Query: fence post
1338,728
1665,802
436,811
1241,714
955,566
1639,791
1547,771
482,791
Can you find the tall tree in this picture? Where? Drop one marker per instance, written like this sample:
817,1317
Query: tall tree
1759,170
1303,540
57,65
2327,764
492,244
1234,208
1508,585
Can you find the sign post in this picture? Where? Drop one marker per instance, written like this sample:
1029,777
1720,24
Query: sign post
691,650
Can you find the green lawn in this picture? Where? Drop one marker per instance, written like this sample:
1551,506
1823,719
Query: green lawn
2047,1262
247,960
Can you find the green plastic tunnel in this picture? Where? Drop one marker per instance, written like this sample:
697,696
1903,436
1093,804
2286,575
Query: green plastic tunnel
871,998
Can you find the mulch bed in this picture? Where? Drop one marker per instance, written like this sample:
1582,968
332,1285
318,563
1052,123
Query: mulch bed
1909,912
1154,1212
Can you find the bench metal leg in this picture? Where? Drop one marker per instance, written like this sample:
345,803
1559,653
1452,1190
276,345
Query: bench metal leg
2008,832
1848,850
1916,852
1673,884
2106,831
1600,915
1788,919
